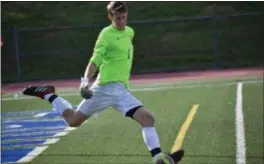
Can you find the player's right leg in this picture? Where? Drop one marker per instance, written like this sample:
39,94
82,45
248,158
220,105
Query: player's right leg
131,107
72,117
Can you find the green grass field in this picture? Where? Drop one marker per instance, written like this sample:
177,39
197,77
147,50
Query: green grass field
110,138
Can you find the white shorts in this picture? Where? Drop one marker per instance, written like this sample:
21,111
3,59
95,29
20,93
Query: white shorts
110,95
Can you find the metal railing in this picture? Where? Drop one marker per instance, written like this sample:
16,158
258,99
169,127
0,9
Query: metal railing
171,44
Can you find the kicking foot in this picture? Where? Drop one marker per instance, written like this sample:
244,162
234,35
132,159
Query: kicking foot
177,155
172,158
39,91
162,159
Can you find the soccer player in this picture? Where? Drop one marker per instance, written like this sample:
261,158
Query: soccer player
113,55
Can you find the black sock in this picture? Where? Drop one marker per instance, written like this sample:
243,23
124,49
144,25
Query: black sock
155,151
52,98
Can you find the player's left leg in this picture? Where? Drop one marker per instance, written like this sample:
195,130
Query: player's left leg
72,117
133,108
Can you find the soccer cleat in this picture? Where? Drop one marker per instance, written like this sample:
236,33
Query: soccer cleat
177,155
172,158
162,159
39,91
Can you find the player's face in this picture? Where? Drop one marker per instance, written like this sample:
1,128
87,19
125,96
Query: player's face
119,20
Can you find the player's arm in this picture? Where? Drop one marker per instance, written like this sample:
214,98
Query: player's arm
132,33
90,70
96,59
93,65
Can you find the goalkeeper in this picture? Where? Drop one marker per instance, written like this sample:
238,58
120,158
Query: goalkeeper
113,56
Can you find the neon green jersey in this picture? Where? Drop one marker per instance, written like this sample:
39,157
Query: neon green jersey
113,55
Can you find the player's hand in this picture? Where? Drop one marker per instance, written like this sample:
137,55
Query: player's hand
85,89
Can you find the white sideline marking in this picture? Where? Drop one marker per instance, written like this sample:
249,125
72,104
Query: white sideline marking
60,134
240,132
14,126
30,120
31,155
69,129
51,141
202,84
41,114
39,149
